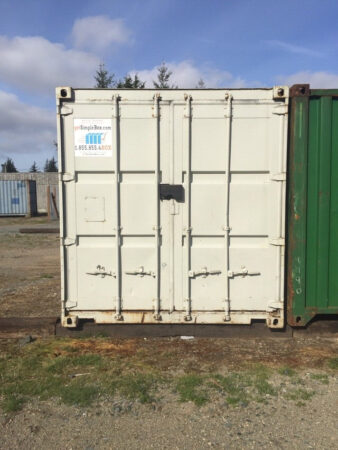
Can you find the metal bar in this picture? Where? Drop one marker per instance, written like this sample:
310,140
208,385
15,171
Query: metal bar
116,115
333,225
187,115
172,205
157,227
61,164
323,196
280,208
228,116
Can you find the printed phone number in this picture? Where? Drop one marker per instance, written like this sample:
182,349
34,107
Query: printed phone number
93,147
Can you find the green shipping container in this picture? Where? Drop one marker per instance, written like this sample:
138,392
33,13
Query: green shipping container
312,246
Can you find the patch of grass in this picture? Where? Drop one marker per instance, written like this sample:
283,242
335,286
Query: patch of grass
46,275
243,387
79,394
333,363
12,403
190,388
287,371
136,387
63,364
235,387
322,378
299,395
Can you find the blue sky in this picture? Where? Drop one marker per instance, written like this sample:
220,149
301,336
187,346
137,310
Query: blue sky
45,43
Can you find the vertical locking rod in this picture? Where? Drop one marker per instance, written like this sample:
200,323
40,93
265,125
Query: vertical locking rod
188,203
157,227
116,115
228,116
280,232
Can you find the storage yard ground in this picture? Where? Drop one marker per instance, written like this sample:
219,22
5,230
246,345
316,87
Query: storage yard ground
29,269
169,393
141,393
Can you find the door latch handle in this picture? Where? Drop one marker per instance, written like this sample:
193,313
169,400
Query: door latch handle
204,272
140,271
242,273
101,271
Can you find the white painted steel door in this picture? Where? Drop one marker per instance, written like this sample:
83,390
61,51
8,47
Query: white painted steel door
174,205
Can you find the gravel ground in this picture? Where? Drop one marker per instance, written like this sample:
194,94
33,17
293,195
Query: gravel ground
169,424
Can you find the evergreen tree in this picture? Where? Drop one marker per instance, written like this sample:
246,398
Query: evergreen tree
50,165
200,84
103,79
163,78
8,166
34,168
131,83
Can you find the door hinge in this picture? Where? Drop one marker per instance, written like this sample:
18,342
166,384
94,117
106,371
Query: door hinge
280,110
65,110
69,241
67,176
279,177
71,304
273,306
277,241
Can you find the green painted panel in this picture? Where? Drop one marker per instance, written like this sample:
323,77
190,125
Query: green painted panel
313,207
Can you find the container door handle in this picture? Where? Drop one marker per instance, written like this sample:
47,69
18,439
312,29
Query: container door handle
141,272
242,273
101,271
204,272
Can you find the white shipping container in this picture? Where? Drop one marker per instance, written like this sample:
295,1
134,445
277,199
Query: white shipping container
172,205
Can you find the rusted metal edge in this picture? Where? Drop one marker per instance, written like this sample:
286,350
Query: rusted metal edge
299,90
296,208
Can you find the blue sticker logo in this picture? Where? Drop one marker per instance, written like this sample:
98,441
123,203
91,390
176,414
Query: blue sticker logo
93,138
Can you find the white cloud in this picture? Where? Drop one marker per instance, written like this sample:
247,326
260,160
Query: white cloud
37,65
97,33
315,79
24,128
294,48
186,74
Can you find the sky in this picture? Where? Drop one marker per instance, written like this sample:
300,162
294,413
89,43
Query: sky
227,43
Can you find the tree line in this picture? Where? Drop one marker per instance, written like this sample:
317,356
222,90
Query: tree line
104,80
50,166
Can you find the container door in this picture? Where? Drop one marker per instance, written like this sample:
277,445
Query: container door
229,232
117,227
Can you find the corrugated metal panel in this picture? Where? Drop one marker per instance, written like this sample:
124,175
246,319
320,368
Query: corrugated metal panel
13,198
172,205
42,179
313,211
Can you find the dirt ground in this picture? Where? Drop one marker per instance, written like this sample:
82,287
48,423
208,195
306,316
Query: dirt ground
29,270
142,393
294,406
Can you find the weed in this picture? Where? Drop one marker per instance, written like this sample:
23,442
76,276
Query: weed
235,386
12,403
79,394
136,387
299,395
322,378
333,363
190,388
46,275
